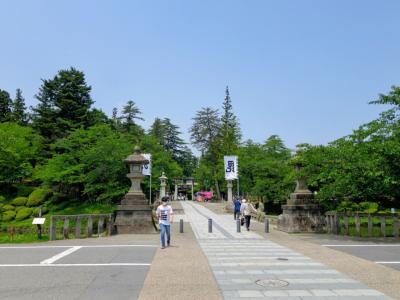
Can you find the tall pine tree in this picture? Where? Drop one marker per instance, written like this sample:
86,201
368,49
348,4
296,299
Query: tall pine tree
130,113
230,128
19,109
64,104
157,130
5,106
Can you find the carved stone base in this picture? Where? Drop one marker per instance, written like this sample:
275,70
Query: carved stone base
301,218
131,219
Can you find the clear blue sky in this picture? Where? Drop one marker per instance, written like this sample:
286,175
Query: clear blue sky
304,70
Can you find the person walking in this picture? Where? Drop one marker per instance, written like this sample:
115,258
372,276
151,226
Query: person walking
245,211
165,218
236,208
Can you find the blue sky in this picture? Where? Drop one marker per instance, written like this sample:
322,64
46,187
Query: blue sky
304,70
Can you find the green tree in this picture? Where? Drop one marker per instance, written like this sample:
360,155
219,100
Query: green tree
19,146
5,106
19,109
64,104
130,113
230,128
162,161
265,173
172,141
157,130
89,165
205,134
361,167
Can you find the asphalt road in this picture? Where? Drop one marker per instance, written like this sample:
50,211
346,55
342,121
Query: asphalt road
74,271
385,252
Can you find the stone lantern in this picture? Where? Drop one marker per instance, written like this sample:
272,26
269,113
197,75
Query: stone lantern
163,184
134,214
301,213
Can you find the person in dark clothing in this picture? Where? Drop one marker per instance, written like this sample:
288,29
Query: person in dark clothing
236,209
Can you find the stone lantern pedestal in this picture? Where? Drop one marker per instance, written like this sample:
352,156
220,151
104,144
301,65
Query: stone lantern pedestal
134,214
163,184
301,213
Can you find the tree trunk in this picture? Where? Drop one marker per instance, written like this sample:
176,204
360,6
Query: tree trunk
217,189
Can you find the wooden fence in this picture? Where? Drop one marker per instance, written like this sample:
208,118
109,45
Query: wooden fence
348,223
104,224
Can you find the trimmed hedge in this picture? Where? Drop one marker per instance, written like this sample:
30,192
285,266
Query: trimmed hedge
38,196
23,213
18,208
8,215
19,201
8,207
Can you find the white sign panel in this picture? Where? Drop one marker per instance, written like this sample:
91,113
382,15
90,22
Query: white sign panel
146,170
231,167
38,221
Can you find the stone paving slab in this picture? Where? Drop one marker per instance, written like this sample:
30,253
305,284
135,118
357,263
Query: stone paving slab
180,271
240,260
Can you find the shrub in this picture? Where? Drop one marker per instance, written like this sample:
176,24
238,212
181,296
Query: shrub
19,201
38,196
24,190
347,206
369,207
18,208
35,213
23,213
8,207
2,198
8,215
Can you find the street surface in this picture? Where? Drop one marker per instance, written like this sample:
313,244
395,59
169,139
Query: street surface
380,251
88,269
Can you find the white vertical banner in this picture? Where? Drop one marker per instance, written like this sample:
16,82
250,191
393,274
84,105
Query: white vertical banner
146,170
231,167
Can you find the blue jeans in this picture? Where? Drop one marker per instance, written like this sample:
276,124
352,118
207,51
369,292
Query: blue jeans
165,229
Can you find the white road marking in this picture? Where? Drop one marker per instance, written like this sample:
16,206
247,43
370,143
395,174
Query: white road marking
77,265
363,245
69,246
60,255
388,262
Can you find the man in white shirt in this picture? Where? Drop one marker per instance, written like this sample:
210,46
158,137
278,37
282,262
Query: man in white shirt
165,218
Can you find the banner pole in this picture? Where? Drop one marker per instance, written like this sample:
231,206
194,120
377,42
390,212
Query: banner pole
150,190
238,189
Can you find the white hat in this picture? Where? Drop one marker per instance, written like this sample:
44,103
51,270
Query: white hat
244,201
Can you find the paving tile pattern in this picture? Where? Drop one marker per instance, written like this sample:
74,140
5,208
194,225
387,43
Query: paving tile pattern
242,262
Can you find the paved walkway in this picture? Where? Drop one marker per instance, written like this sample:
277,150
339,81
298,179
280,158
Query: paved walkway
248,266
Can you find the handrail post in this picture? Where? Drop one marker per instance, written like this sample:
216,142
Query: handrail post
66,228
109,225
100,226
395,226
358,225
53,228
370,224
383,226
89,228
78,228
346,223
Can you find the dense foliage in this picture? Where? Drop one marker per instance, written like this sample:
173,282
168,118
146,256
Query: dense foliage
65,150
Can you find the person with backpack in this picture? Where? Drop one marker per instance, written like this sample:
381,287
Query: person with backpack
236,208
